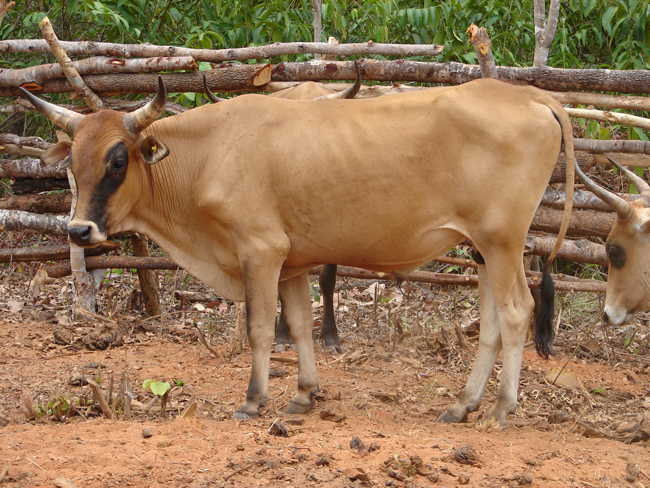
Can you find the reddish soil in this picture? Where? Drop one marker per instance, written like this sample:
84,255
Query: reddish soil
374,420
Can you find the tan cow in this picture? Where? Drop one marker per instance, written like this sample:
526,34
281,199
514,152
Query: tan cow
327,277
628,281
229,192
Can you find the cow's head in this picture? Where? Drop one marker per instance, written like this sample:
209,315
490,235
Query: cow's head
628,250
106,156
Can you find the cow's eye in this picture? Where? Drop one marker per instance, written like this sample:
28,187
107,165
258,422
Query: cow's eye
119,164
616,256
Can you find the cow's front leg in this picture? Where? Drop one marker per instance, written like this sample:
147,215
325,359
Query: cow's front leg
261,286
296,303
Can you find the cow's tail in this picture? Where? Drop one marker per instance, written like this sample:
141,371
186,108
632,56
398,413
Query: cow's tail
544,327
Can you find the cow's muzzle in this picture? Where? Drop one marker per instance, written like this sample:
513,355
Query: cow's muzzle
85,233
616,317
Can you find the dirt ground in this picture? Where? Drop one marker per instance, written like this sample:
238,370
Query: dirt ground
374,421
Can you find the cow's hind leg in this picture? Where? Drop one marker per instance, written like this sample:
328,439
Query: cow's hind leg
296,303
328,333
506,309
489,346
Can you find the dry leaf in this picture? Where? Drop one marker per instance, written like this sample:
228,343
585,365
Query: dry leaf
563,378
357,474
15,306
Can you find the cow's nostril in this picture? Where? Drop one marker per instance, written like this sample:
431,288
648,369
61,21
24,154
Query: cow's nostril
606,318
80,235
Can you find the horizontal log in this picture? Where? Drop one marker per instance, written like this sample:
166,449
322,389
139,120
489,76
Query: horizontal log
33,77
582,200
556,79
609,117
617,146
62,268
580,251
29,168
36,142
236,77
56,203
52,253
16,221
584,223
221,55
443,279
585,160
602,100
31,152
23,186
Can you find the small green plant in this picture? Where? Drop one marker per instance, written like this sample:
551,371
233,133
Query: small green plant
158,388
178,382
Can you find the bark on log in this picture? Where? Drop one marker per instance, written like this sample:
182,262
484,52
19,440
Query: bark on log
582,200
557,79
240,77
62,268
443,279
618,146
71,74
610,117
585,161
51,253
584,223
31,152
23,106
33,78
221,55
636,160
21,187
16,221
237,77
602,100
35,142
147,278
59,203
29,168
581,251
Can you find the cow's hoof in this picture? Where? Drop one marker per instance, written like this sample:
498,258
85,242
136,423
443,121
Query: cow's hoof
283,347
297,408
334,349
448,418
245,414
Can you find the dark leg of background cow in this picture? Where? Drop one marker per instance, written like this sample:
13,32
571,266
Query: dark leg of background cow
329,335
283,340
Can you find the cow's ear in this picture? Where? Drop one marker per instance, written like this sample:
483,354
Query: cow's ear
153,150
56,153
645,227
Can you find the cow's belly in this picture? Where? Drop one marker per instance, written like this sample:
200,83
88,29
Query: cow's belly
390,253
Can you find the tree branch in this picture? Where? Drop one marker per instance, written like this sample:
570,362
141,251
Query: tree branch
221,55
71,74
544,34
481,42
33,78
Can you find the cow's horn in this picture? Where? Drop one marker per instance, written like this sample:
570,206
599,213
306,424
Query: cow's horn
623,209
211,96
349,92
139,120
64,118
641,185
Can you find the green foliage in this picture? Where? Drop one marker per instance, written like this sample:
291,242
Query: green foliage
591,33
158,388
